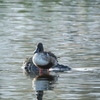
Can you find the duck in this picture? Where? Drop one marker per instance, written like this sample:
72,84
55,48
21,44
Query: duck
43,59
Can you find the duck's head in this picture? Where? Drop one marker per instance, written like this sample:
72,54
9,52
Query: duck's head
39,48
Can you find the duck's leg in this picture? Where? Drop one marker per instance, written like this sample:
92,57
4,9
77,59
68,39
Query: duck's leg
47,71
40,70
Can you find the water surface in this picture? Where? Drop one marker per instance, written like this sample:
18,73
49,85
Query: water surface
70,29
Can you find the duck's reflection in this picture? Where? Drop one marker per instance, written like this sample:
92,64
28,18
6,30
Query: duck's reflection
43,82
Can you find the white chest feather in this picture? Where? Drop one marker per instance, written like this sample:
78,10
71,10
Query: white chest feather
40,59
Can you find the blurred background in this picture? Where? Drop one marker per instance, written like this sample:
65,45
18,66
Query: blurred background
68,28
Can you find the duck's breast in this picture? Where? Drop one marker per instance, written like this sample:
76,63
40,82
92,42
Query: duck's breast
40,59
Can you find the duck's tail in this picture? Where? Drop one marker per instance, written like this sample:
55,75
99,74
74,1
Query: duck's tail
60,68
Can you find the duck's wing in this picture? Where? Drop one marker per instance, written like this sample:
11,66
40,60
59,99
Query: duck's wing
51,54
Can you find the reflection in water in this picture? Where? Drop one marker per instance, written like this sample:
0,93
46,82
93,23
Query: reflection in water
43,82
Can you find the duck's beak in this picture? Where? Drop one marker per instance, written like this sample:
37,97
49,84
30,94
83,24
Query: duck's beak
36,51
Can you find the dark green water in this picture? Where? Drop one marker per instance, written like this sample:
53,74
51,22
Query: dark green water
68,28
